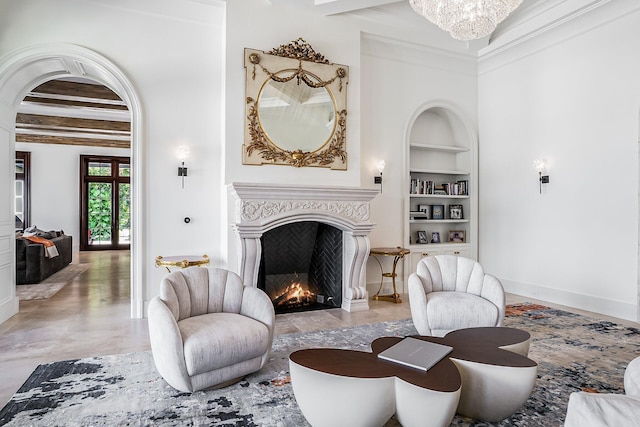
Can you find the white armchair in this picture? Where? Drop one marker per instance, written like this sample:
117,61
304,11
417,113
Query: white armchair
449,292
607,409
207,329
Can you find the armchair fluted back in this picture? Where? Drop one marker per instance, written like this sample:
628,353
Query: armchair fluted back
442,292
195,291
451,273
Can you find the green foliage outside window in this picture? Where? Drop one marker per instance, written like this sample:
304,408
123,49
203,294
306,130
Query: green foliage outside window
99,212
100,207
124,216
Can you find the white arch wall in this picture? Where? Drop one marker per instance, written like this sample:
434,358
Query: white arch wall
464,132
415,78
26,68
8,300
172,53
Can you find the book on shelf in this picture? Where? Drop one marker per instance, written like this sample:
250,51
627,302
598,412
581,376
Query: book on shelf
421,186
458,188
416,353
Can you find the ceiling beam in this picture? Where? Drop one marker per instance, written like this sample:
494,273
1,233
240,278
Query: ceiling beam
58,121
51,139
74,113
86,90
334,7
100,113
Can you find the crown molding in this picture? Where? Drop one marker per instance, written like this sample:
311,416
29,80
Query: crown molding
555,24
374,45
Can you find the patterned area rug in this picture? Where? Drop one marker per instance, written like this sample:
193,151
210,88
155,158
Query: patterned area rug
52,284
573,353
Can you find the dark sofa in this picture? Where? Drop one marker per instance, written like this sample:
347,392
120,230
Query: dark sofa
31,264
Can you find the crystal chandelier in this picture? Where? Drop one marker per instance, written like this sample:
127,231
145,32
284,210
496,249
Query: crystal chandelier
465,19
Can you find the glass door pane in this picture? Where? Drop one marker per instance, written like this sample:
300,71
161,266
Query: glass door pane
100,208
99,169
124,169
124,214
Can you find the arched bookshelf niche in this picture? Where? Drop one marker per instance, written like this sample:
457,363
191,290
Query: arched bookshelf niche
441,192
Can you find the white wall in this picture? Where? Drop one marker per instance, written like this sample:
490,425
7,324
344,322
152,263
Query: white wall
185,63
383,91
8,300
257,24
55,183
572,97
172,52
400,79
260,25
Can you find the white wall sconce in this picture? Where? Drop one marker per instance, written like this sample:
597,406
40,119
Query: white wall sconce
378,179
540,166
183,153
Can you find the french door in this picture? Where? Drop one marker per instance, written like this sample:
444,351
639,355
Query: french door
105,203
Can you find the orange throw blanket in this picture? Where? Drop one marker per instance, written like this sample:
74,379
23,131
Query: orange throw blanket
50,249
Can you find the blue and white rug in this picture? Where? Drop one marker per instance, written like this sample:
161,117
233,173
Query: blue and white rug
573,353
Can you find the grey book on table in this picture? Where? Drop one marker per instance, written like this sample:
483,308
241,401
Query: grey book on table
416,353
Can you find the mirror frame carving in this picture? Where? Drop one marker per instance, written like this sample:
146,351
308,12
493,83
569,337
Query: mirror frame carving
298,60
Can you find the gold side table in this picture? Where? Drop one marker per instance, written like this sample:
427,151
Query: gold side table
398,253
181,261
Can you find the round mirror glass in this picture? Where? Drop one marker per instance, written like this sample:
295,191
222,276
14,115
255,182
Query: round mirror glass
295,116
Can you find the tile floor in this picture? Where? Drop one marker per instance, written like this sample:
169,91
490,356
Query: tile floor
90,317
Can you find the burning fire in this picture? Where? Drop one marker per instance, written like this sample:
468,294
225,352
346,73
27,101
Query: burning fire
295,295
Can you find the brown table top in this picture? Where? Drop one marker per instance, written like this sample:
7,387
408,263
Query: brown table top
474,344
443,376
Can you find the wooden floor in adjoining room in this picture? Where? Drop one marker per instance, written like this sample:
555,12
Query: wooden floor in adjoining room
91,317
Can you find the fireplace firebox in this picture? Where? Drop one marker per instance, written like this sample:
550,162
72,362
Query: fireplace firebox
301,266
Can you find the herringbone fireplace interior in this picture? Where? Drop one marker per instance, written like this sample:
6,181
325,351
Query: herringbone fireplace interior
301,266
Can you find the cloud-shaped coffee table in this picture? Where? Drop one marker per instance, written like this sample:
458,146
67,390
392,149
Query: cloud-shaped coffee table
487,376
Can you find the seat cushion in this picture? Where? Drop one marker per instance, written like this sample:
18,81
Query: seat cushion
601,409
632,378
458,310
215,340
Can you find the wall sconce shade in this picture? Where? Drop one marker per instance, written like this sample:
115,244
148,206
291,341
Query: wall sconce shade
182,153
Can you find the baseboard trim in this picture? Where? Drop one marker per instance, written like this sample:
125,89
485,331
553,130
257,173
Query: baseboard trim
603,306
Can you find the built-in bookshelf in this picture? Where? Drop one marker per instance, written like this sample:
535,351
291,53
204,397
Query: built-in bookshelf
441,198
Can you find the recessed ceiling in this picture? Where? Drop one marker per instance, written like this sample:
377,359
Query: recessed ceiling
74,112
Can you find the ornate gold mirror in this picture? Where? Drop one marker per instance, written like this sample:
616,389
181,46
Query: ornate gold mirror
296,108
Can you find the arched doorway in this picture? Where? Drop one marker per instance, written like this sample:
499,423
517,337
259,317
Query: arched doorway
24,69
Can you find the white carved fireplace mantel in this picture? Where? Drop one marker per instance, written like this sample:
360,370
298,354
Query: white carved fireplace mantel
262,207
